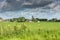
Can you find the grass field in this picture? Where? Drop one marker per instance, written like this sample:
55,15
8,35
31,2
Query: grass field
30,31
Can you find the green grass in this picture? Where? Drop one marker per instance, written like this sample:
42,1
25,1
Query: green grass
29,31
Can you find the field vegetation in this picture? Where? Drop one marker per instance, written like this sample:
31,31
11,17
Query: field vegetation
29,30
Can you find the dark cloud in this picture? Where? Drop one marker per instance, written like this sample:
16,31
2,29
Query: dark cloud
18,4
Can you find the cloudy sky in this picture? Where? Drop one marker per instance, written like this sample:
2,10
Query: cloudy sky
38,8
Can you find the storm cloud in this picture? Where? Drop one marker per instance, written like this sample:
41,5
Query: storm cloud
10,5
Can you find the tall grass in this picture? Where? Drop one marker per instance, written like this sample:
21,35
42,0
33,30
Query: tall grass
24,32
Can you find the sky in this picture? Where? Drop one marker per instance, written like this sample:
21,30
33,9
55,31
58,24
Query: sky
1,0
27,8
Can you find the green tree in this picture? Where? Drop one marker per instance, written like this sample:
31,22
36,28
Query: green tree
11,20
21,19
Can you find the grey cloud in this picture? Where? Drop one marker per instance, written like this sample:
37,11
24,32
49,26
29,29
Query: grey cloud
18,4
53,5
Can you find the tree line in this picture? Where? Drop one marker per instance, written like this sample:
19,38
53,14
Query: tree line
23,19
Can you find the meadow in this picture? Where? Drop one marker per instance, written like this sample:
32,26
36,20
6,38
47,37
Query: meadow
29,30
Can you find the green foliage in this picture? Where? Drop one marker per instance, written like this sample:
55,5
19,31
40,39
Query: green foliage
21,19
11,20
29,31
